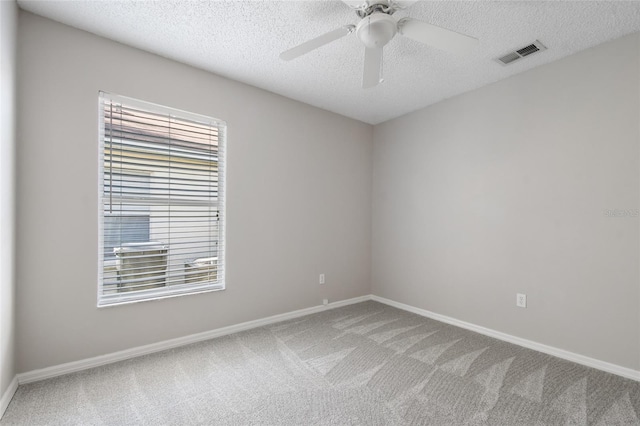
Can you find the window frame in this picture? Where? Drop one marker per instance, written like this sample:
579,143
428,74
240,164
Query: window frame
174,290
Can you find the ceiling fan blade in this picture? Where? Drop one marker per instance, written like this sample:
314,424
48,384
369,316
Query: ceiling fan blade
312,44
372,67
435,36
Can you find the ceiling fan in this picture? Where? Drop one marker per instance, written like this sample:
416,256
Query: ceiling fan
377,27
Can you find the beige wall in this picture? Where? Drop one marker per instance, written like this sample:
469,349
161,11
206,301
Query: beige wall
298,198
504,190
8,29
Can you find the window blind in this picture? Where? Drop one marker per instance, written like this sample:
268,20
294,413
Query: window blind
162,201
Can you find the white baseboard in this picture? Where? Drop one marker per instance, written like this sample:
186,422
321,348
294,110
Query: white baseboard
7,395
550,350
72,367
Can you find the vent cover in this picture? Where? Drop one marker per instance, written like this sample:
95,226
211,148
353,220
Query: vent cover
511,57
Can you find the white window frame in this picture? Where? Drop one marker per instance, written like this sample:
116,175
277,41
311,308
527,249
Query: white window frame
172,290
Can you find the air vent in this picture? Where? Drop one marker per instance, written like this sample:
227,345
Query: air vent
525,51
511,57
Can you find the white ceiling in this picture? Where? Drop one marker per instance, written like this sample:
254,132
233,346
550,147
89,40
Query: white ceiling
241,40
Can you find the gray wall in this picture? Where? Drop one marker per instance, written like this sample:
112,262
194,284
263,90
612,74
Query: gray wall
8,29
504,190
298,198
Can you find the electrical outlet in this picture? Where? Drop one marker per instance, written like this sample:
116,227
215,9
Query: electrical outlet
521,300
325,301
321,279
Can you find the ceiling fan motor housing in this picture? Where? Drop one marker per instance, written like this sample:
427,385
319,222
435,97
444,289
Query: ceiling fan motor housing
376,30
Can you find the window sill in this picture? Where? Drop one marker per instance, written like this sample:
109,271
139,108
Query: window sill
151,295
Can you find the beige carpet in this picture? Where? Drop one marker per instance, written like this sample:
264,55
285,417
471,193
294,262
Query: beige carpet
365,364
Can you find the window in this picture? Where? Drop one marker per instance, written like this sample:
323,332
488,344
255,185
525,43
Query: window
161,209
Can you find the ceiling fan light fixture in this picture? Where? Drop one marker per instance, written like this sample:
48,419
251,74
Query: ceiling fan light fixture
376,30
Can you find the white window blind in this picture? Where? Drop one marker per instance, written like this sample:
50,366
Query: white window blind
161,201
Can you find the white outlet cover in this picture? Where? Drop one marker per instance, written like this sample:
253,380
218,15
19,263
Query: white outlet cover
521,300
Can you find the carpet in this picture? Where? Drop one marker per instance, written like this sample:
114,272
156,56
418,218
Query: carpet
364,364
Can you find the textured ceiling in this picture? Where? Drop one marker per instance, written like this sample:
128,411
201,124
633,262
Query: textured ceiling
241,40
